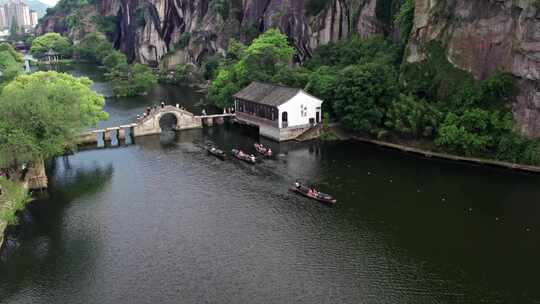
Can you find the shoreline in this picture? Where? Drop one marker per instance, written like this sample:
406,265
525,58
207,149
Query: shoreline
35,179
344,135
445,156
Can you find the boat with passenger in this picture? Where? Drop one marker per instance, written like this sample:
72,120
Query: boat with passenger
216,152
312,193
241,155
267,152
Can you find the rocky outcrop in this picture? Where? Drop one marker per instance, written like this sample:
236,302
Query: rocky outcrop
484,36
152,30
479,36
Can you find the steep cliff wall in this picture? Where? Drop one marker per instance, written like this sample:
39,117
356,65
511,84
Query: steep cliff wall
479,36
151,30
482,36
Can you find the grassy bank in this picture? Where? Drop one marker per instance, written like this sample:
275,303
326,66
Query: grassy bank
13,198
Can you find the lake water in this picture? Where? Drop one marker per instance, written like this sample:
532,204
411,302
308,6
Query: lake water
163,222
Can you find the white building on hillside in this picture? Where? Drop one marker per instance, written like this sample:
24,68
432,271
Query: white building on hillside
280,113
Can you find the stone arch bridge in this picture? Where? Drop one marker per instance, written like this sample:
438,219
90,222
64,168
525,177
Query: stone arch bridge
150,125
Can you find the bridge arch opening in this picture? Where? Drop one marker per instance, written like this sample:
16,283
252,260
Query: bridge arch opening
168,122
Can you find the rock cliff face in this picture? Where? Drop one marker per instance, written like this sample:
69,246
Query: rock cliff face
482,36
479,36
152,30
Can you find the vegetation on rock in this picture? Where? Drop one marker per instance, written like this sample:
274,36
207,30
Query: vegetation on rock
370,91
262,60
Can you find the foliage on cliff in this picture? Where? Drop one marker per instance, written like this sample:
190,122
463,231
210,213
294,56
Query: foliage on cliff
359,79
262,60
41,115
126,80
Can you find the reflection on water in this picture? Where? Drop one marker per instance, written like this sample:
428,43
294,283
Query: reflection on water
162,222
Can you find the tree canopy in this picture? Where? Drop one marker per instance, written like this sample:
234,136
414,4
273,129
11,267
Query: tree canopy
10,63
51,41
262,60
41,115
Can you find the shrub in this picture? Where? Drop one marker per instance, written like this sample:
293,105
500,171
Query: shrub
412,117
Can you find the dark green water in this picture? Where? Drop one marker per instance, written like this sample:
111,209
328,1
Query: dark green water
162,222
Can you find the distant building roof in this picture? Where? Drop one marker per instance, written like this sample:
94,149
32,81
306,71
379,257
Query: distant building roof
268,94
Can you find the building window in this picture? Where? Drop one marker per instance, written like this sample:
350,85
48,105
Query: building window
284,119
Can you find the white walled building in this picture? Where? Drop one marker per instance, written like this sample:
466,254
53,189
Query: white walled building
280,113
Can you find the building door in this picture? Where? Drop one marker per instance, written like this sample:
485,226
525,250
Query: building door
284,120
318,117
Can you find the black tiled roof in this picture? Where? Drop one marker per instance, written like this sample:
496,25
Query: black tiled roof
267,94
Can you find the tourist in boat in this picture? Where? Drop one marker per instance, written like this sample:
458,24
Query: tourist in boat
297,184
269,151
240,153
252,157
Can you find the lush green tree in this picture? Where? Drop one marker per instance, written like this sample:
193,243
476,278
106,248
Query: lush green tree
103,50
354,51
404,20
322,83
137,79
498,89
114,60
411,117
268,55
143,78
473,132
236,50
295,77
363,93
181,73
93,47
51,41
10,63
41,115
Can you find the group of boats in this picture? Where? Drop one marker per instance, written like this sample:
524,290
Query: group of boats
249,158
241,155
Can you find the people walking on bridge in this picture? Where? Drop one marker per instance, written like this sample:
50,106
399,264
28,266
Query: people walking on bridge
203,112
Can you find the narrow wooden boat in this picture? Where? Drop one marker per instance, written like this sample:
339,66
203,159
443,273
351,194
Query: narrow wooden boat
263,150
250,159
216,152
320,197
